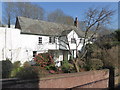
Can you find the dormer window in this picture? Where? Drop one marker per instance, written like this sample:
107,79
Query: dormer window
40,40
51,39
73,40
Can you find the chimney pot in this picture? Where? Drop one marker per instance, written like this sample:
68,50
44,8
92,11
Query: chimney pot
76,22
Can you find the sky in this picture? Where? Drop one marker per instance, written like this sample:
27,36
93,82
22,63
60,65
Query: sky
119,15
1,11
78,8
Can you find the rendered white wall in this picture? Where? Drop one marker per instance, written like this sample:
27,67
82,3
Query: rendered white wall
17,46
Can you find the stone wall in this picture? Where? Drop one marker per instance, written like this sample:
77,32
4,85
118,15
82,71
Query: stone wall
90,79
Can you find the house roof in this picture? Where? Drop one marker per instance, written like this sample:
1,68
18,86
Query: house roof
33,26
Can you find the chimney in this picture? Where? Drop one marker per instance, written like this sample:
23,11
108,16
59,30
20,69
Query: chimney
76,22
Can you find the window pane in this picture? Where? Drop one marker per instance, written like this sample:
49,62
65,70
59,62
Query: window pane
53,39
40,40
50,40
73,40
34,53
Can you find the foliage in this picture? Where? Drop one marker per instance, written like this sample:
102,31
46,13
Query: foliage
67,67
32,72
90,49
16,64
15,71
26,64
27,73
108,41
110,57
6,68
94,64
117,35
51,67
108,49
17,68
44,59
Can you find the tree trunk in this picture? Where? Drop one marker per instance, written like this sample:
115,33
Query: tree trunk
76,65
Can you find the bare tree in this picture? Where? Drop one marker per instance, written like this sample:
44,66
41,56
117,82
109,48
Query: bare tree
52,17
94,18
25,9
29,10
58,16
8,13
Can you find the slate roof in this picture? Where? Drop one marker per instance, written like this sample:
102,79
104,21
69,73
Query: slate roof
34,26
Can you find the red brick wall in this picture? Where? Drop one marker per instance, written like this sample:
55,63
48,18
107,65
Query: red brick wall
91,79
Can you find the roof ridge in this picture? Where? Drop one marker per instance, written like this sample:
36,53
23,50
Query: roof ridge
47,21
35,26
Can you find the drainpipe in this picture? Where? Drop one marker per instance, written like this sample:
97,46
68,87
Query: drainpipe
11,44
2,53
5,43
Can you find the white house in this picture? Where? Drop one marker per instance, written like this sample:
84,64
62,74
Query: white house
32,36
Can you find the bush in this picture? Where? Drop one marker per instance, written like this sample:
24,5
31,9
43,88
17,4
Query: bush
31,72
6,68
51,67
16,64
26,64
27,73
15,71
43,59
94,64
67,67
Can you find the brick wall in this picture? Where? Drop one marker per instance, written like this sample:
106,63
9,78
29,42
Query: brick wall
93,79
90,79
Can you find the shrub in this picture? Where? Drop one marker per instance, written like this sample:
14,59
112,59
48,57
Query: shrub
15,71
94,64
16,64
67,67
31,72
51,67
44,59
117,35
52,71
6,68
27,73
26,64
